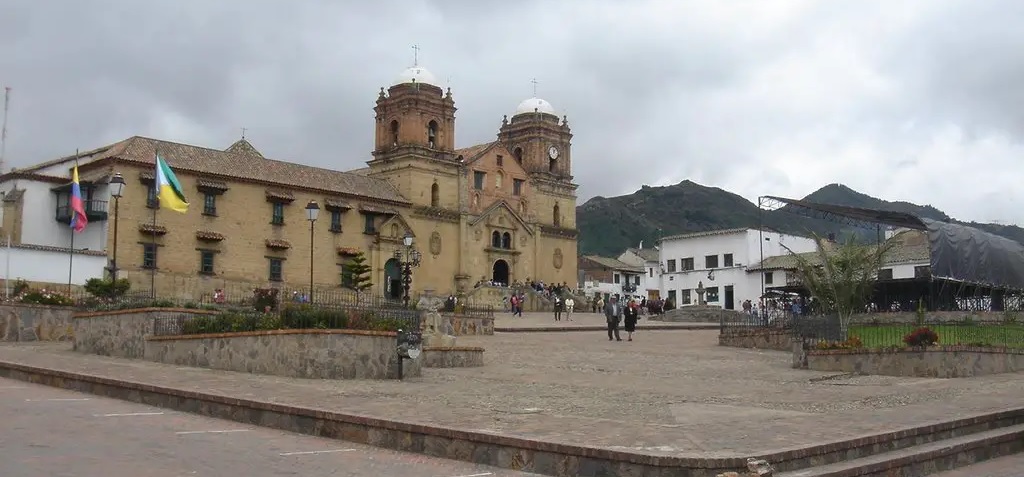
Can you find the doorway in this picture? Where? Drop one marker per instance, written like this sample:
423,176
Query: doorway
393,279
729,299
500,273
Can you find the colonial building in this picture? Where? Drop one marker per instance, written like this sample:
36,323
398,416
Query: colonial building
502,211
647,260
608,277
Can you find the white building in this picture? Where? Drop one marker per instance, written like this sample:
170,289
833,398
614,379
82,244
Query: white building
41,249
647,259
718,261
609,277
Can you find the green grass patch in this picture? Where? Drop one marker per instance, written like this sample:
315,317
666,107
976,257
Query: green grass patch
993,335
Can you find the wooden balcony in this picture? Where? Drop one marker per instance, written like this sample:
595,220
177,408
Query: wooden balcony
95,211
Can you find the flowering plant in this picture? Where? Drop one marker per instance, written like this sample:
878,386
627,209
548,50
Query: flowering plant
921,337
44,297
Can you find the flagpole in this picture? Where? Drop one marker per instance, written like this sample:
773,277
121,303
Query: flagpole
71,251
7,269
152,232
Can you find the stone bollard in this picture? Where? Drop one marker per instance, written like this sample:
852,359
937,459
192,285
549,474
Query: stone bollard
799,354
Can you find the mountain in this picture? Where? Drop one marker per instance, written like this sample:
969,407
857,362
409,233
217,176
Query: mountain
609,225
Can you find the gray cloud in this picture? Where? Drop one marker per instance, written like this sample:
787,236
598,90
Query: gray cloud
916,101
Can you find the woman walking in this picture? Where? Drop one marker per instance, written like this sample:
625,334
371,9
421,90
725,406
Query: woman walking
630,315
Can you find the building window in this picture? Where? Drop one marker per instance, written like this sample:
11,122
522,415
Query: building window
727,260
519,155
335,221
501,161
636,280
149,255
769,278
517,187
276,270
670,266
206,262
151,200
506,241
686,264
711,261
885,274
499,178
711,296
394,133
432,134
616,278
922,271
478,180
684,297
672,297
650,273
369,227
556,216
277,216
435,195
209,204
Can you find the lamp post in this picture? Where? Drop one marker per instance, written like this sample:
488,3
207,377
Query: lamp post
116,185
408,257
312,211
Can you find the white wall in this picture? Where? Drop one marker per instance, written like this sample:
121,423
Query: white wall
651,279
594,286
746,249
39,224
49,266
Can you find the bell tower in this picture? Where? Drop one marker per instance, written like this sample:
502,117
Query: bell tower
538,140
414,116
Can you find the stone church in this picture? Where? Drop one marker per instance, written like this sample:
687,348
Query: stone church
502,211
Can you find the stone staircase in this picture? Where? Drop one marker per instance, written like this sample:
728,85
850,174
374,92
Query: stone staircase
913,452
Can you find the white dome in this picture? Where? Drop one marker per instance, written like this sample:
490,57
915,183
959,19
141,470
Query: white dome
416,74
535,105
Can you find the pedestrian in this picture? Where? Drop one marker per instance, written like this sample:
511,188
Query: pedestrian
559,306
570,305
631,314
613,314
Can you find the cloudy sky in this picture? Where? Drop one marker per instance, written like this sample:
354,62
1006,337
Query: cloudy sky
919,100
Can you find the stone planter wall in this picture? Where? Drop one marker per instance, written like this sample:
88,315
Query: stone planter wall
24,322
315,354
462,325
934,362
702,314
122,333
756,337
453,357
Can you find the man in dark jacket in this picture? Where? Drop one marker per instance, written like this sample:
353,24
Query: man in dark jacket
613,314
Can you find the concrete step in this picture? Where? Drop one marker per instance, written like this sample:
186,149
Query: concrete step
925,459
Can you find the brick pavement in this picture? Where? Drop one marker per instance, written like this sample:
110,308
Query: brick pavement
141,440
669,392
1009,466
576,320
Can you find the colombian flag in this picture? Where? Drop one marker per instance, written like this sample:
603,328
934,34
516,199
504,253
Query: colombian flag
78,219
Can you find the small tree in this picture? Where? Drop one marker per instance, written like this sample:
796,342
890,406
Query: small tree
355,275
841,278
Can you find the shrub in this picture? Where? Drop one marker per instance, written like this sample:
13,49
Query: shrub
44,297
921,337
265,299
105,289
20,286
853,342
294,317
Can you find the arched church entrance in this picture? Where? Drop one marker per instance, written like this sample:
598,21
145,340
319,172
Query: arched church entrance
393,279
500,273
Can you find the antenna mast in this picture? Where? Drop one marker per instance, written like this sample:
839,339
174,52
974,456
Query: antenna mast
3,130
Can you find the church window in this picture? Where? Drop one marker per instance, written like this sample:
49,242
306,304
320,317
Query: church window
498,179
519,155
551,165
506,241
395,230
435,195
501,161
478,180
556,216
476,200
496,239
394,133
517,187
369,227
432,134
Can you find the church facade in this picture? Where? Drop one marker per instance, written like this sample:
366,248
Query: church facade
502,211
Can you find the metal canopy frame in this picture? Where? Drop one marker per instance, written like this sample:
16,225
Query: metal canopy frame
852,216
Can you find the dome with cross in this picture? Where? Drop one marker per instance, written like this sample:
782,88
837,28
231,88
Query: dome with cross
416,74
535,105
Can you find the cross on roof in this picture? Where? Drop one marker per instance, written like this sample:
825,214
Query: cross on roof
243,132
534,81
415,55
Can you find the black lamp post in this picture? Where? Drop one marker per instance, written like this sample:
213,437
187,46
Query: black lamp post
116,185
312,212
408,257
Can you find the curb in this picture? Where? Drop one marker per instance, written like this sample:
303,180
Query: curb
561,329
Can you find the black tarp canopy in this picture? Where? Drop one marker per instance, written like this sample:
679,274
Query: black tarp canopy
956,252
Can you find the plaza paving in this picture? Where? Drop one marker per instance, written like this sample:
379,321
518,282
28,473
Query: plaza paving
667,392
546,320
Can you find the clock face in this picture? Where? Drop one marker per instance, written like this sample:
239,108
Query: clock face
553,152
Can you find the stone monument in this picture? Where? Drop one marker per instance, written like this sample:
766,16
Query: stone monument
437,331
700,293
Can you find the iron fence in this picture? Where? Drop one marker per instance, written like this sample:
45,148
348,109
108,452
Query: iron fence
875,333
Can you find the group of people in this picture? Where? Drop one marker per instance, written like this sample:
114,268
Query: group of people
615,313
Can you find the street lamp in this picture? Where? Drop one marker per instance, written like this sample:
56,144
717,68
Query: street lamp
116,186
408,257
312,212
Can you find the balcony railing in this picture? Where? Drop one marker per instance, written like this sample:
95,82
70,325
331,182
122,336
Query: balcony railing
95,211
